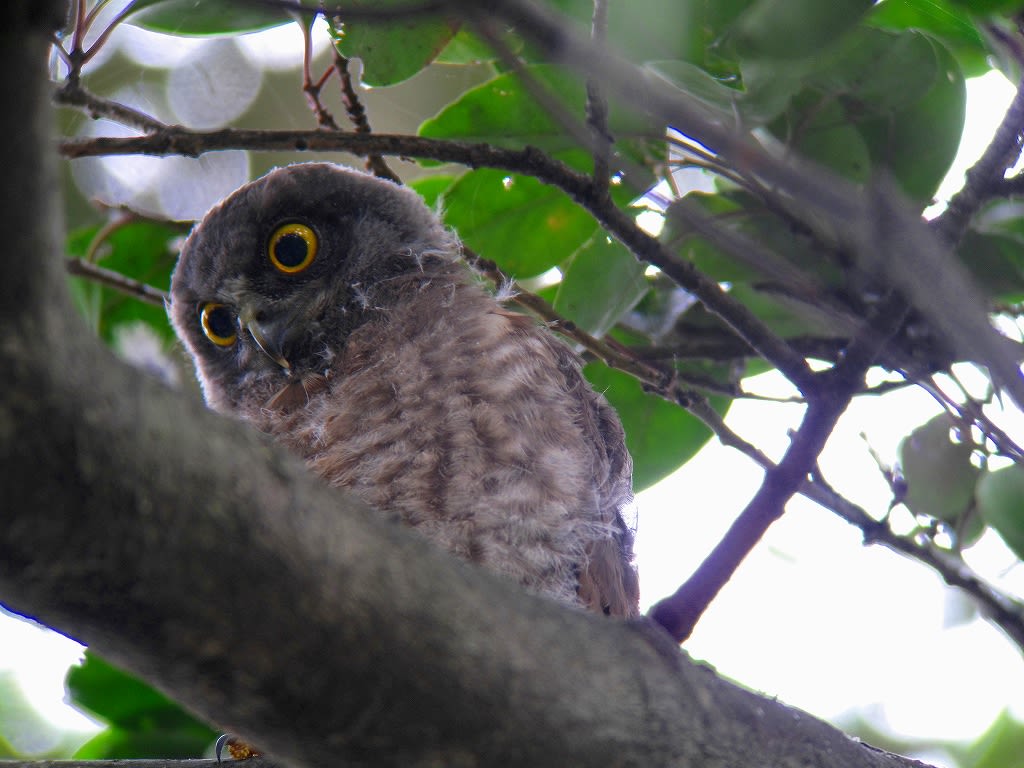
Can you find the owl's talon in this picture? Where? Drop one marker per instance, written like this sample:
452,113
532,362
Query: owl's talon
219,746
238,749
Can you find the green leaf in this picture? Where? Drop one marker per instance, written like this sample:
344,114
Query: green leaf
467,48
997,263
1000,498
942,20
144,722
999,747
432,188
141,250
117,744
784,315
649,30
395,50
792,29
525,226
694,248
830,140
895,140
661,436
939,474
206,19
752,107
993,250
876,72
865,104
601,282
504,113
738,212
669,29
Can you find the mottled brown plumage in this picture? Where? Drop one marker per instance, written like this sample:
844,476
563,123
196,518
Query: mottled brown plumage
385,364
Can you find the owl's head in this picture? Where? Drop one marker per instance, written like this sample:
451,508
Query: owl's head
273,280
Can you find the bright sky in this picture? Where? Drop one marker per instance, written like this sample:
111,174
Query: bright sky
813,617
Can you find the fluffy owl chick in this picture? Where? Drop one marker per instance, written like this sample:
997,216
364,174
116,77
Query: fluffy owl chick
331,310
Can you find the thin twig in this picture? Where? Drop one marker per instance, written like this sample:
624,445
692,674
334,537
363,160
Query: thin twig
104,233
356,112
680,612
312,89
597,107
117,281
106,33
72,94
550,103
1002,610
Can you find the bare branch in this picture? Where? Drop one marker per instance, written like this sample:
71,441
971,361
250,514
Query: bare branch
117,281
984,179
376,164
72,94
680,612
310,88
597,106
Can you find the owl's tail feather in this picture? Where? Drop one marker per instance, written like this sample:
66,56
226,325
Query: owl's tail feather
609,583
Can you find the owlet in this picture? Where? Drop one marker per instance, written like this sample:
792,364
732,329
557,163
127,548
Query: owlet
332,311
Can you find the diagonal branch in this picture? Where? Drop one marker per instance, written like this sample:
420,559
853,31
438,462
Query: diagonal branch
117,281
376,164
680,612
984,179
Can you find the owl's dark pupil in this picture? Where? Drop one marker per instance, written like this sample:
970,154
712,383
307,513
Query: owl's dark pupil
221,322
290,250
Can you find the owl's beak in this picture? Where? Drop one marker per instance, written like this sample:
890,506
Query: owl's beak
266,335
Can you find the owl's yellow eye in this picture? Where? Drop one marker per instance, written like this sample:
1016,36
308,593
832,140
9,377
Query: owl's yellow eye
292,248
219,324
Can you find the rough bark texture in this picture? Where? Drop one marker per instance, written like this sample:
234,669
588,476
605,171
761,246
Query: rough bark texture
187,549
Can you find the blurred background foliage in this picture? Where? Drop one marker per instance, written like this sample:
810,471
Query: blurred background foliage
857,86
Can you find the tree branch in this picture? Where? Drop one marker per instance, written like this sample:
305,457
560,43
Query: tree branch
376,164
117,281
985,180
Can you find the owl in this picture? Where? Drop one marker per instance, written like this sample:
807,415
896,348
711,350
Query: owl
332,310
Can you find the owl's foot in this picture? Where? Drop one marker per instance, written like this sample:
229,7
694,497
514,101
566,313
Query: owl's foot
237,748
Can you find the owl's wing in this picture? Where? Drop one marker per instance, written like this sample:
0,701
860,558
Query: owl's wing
608,581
